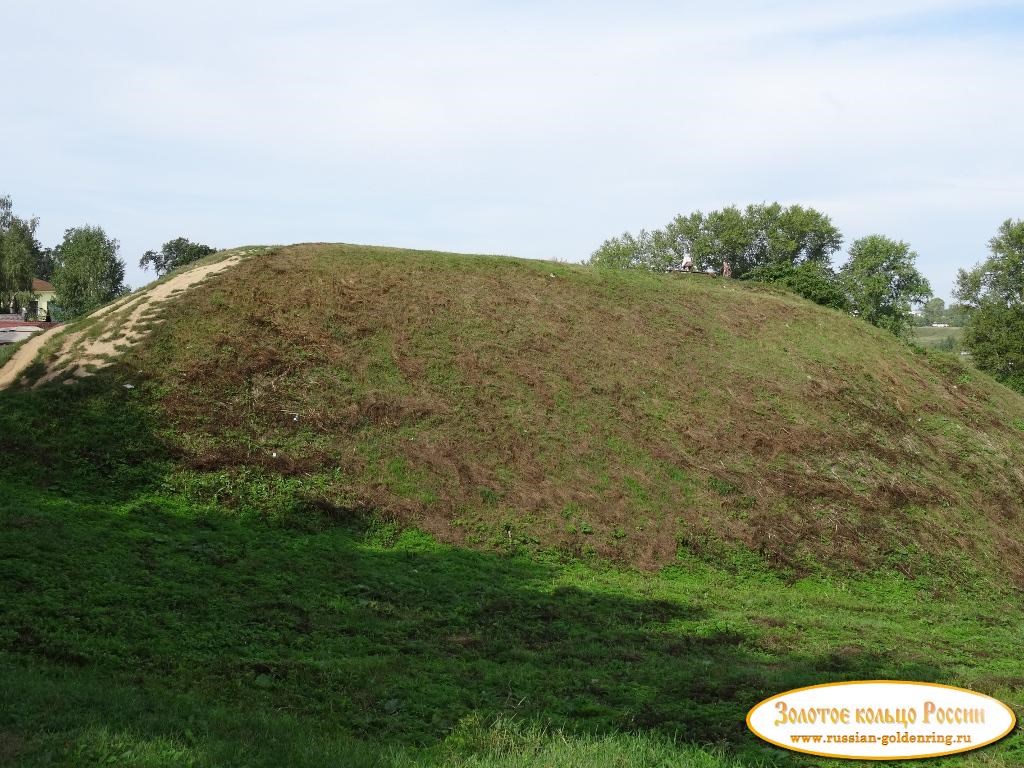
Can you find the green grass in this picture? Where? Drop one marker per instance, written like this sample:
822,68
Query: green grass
150,628
449,561
7,351
936,338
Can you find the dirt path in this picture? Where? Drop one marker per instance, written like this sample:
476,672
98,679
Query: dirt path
109,330
23,358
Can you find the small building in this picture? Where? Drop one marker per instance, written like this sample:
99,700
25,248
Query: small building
38,308
44,294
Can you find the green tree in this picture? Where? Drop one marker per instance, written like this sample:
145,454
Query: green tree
709,239
793,235
758,236
18,253
88,272
994,293
934,311
882,283
46,262
642,251
812,280
174,254
958,314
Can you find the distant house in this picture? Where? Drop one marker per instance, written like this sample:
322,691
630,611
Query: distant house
18,326
44,293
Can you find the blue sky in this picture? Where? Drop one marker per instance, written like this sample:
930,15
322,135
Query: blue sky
532,129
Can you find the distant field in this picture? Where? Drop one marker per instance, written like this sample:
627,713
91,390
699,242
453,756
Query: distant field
932,338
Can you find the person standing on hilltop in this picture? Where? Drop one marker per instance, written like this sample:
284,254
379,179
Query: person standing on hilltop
726,269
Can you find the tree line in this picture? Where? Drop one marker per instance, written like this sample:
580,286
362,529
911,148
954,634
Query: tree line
791,246
85,267
794,247
993,292
935,311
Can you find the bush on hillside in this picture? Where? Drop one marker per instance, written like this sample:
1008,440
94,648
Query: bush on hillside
811,280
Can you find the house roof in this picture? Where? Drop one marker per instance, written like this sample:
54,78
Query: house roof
41,285
16,325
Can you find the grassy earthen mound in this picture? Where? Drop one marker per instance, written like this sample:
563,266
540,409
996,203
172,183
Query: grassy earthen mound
507,403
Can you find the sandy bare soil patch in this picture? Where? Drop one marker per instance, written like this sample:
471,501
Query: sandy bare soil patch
107,331
23,358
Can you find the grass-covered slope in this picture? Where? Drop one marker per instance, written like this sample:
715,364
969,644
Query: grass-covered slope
503,403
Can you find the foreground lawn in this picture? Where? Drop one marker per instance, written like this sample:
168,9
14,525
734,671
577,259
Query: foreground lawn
145,631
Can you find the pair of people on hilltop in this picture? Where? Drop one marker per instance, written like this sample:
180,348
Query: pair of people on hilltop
687,266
